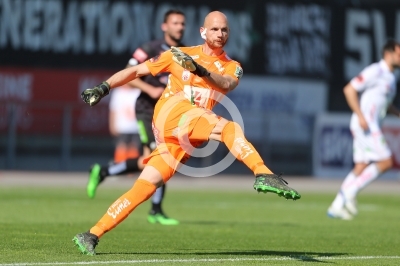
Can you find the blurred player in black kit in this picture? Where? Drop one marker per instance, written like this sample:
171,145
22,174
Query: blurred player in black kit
151,88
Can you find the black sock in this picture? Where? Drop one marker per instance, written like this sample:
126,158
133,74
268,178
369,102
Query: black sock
103,173
132,165
128,166
157,200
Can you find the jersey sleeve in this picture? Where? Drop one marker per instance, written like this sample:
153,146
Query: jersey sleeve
361,82
160,63
234,70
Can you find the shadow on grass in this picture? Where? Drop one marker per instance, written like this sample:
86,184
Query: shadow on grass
295,255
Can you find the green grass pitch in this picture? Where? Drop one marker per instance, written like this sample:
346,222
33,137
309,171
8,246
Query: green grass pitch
217,228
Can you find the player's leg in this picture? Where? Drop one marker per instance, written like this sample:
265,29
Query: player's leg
134,147
156,172
143,189
121,147
231,134
99,173
337,208
156,213
366,148
376,151
369,174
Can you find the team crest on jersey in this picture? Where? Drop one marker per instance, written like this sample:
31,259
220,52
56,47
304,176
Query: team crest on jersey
185,75
239,72
154,59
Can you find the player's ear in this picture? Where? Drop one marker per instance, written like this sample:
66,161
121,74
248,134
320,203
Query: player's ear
164,27
203,32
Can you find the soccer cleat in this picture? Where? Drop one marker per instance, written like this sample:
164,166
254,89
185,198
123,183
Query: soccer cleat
161,218
275,184
342,213
351,206
86,243
94,180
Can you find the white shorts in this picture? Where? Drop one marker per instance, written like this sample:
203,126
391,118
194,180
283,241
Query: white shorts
369,147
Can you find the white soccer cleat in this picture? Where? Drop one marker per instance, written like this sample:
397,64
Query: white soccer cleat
351,206
342,213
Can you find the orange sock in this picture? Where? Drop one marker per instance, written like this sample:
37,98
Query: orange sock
141,191
233,137
120,154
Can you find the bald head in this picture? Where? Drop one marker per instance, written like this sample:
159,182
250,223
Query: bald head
215,30
214,16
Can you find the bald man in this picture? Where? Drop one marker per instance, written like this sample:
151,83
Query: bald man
200,77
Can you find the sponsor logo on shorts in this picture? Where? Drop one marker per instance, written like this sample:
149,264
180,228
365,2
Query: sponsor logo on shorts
117,207
156,134
185,75
176,131
195,56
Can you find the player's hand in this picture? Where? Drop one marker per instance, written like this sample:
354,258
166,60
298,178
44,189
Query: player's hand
156,92
187,62
182,59
93,95
363,122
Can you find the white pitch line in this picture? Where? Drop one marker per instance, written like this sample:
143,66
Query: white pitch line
305,258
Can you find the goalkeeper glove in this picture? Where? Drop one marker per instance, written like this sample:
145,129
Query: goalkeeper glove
93,95
187,62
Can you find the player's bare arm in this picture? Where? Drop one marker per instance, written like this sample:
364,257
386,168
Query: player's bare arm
128,74
93,95
224,82
152,91
351,95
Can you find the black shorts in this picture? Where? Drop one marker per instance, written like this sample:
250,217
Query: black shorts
128,139
144,120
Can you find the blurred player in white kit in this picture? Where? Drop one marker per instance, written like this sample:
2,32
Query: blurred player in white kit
376,85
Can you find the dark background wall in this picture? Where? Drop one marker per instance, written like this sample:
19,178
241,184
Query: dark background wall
61,41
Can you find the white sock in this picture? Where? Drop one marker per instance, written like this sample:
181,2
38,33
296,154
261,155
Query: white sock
157,197
367,176
118,168
338,202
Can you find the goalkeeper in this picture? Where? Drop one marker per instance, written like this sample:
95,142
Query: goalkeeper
183,119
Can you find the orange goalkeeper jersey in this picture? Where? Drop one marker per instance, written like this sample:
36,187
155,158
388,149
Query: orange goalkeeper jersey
198,90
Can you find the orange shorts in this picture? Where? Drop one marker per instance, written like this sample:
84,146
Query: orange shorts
178,128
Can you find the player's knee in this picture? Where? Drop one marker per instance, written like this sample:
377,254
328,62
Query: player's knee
163,169
385,165
388,163
152,175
